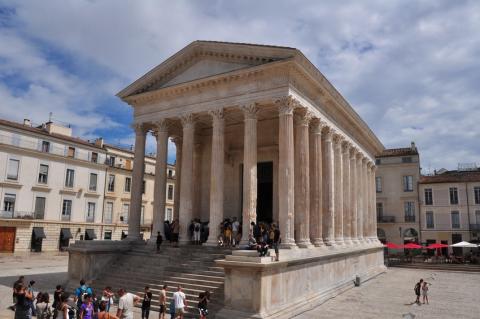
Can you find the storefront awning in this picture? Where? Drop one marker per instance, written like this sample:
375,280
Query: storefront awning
38,232
65,233
90,234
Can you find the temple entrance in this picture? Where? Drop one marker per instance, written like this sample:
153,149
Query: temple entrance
264,191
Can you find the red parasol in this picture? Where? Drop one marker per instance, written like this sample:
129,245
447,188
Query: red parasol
392,246
412,246
436,246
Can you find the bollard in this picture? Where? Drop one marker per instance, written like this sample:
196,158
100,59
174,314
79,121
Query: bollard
357,281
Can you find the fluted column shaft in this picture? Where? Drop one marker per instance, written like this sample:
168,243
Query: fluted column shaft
316,189
186,183
346,193
178,174
353,196
137,181
338,185
370,203
286,172
374,204
328,184
302,180
216,175
249,170
365,201
360,198
159,195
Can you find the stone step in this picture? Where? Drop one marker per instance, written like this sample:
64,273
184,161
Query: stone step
445,267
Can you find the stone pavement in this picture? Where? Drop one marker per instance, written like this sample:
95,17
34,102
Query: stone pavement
390,295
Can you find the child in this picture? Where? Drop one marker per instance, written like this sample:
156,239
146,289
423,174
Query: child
425,291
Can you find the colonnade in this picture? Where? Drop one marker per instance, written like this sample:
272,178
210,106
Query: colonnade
326,187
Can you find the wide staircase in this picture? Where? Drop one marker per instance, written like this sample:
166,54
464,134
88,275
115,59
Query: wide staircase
191,267
440,267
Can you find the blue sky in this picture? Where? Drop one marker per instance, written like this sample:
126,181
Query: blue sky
409,68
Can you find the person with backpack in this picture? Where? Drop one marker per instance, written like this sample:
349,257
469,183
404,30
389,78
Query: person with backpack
80,292
417,289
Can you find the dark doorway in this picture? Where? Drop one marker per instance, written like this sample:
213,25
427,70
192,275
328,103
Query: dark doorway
65,236
456,238
264,191
445,250
37,238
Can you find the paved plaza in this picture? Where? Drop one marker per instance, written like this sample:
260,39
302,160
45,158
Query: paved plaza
390,295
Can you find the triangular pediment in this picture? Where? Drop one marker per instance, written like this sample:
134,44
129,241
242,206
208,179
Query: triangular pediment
202,59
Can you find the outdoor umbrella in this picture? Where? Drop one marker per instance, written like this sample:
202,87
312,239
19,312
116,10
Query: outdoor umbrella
392,246
412,246
436,246
465,244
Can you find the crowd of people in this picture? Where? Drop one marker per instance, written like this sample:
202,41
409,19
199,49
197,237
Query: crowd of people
84,303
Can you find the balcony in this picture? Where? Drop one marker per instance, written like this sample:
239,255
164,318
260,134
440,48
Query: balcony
409,219
475,227
65,218
385,219
90,219
20,215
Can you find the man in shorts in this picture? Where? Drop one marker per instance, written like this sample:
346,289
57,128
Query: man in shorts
417,289
163,302
180,303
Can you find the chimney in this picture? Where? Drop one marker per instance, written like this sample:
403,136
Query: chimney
26,122
99,142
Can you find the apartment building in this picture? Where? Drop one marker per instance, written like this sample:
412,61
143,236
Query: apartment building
397,176
55,188
450,206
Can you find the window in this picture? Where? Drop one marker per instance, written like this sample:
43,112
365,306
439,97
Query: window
111,161
378,184
409,212
9,203
169,216
170,192
40,207
379,210
128,184
428,196
142,215
378,161
71,151
69,178
125,212
408,183
92,186
43,174
111,183
476,191
170,173
429,221
406,159
66,209
477,217
45,146
108,212
94,157
90,212
453,196
455,219
107,235
144,186
12,172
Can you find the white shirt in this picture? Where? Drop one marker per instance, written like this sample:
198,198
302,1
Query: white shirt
235,225
126,304
179,298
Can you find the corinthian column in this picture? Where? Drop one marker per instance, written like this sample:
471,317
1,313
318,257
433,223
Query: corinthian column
286,171
370,224
347,211
353,195
374,200
159,196
328,184
365,200
302,182
178,170
137,181
249,170
186,183
316,189
360,198
216,175
338,198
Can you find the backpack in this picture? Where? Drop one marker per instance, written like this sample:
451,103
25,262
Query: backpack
46,314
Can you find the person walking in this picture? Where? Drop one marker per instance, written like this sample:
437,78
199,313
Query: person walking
33,291
180,303
417,289
162,300
80,292
126,303
425,291
24,298
20,280
146,303
204,299
276,241
159,241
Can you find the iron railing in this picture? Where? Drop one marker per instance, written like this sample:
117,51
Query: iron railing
385,219
20,215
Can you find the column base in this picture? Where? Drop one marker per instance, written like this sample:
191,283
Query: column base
304,244
329,242
288,245
339,242
318,242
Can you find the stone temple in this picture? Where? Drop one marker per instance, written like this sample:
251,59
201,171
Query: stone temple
261,135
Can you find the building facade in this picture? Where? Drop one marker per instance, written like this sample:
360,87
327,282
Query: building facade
396,186
55,189
450,207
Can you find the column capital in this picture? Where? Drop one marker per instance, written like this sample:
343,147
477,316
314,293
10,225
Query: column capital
286,105
188,120
353,152
370,164
317,125
139,128
338,139
177,140
364,160
250,110
346,145
161,125
328,133
217,114
303,117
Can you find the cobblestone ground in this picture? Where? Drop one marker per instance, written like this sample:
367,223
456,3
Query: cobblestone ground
452,294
